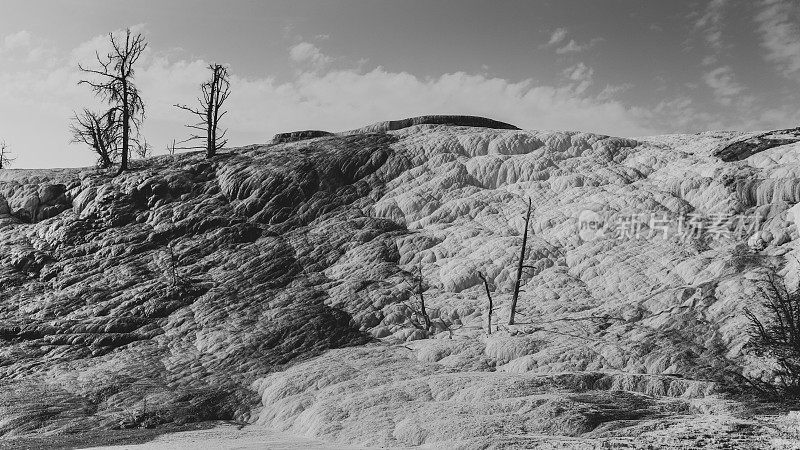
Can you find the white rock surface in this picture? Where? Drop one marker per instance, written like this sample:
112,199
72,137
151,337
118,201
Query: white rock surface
305,246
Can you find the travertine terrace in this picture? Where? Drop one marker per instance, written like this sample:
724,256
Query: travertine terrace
293,290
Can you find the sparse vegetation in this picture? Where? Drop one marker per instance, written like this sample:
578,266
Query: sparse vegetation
113,83
143,149
215,91
171,148
5,155
175,278
491,304
520,265
776,333
420,318
100,132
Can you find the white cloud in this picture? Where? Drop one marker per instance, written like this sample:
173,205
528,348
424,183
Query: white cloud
711,23
85,53
21,47
348,98
20,39
722,81
573,47
780,35
309,56
582,75
579,72
709,60
36,103
612,90
558,35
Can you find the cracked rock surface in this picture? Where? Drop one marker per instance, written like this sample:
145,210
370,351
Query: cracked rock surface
277,285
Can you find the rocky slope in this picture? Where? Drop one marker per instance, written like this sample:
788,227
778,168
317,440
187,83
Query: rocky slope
277,284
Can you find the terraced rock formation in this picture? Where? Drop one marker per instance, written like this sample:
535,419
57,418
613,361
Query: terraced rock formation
277,284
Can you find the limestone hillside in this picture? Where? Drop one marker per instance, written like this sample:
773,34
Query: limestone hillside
276,284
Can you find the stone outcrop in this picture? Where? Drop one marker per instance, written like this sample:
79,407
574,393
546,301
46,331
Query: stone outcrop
32,202
451,120
295,136
743,148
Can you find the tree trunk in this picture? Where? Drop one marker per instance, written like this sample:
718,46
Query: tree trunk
491,306
210,139
422,303
123,166
100,147
519,266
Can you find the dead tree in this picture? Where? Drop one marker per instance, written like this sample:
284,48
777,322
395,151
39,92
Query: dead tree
176,280
143,149
171,148
99,132
491,305
418,310
520,265
5,156
423,311
114,84
215,91
776,332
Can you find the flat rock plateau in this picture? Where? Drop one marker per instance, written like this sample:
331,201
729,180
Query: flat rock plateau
275,287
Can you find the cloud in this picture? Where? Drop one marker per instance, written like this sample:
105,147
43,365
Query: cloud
711,23
344,99
780,35
558,35
581,74
612,90
681,114
85,52
308,55
20,39
21,47
37,102
573,47
722,81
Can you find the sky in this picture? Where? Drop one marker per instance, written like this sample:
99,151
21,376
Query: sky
617,67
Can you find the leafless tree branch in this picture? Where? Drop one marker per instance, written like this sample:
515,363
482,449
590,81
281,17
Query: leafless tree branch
116,87
214,93
5,158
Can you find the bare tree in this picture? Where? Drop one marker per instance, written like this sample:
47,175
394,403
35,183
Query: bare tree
115,86
215,91
420,293
143,149
171,148
5,156
176,280
491,305
419,313
99,132
520,265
